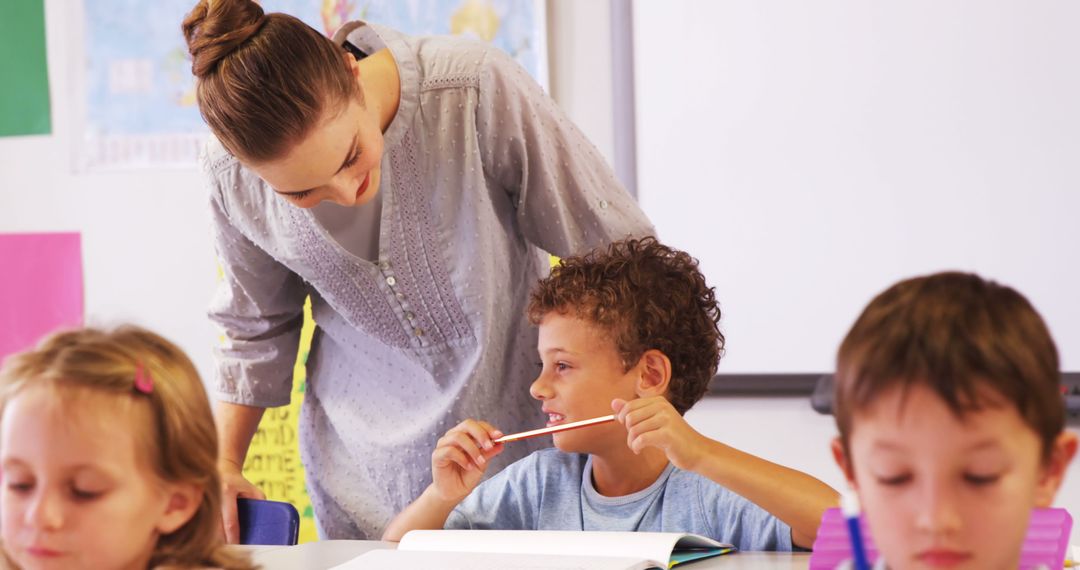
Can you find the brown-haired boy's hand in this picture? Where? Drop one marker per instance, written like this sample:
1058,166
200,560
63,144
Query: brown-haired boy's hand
461,457
654,422
457,464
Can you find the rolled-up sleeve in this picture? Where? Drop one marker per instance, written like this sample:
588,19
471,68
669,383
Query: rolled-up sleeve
259,306
566,196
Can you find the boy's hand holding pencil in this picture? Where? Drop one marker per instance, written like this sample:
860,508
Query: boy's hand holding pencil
461,457
654,422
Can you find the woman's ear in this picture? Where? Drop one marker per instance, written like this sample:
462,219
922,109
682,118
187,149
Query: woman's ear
1053,471
352,63
654,374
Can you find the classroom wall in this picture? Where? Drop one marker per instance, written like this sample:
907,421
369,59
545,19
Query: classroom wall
579,61
147,251
812,154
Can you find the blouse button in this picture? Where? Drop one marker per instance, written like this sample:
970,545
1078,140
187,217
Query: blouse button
410,316
603,204
419,332
391,281
399,295
384,265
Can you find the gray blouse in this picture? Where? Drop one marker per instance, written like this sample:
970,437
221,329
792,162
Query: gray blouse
482,174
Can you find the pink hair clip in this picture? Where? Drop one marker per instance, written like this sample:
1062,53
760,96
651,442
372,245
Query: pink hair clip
143,382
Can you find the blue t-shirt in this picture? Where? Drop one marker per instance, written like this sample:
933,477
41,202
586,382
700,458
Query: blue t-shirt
552,490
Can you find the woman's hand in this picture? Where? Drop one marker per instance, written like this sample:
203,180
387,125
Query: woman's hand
654,422
461,457
233,485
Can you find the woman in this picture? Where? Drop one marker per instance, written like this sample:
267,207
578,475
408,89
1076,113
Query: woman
411,187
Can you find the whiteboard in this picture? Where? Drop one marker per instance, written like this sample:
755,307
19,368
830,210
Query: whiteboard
811,154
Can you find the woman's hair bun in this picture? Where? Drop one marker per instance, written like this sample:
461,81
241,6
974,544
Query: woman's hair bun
215,28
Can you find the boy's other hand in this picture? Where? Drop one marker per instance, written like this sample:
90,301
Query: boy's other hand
461,456
654,422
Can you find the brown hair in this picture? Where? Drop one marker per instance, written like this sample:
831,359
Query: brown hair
179,442
647,296
264,80
958,335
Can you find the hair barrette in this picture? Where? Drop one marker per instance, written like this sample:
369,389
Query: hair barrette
143,382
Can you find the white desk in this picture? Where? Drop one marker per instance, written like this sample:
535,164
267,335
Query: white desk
329,553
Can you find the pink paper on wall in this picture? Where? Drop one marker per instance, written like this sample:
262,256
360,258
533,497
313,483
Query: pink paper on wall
41,287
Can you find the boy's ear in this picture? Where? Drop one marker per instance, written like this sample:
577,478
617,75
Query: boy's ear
1053,472
843,461
182,501
654,374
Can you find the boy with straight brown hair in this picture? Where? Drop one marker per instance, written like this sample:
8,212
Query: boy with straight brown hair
948,403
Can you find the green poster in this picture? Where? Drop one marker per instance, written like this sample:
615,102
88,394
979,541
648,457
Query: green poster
24,78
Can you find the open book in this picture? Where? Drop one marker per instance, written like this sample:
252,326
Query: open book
549,549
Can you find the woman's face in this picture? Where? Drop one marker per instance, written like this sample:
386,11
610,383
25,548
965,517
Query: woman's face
338,161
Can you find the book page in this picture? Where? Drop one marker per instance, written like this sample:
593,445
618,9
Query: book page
653,547
424,560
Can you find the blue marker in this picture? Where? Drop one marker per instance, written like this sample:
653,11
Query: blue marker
849,504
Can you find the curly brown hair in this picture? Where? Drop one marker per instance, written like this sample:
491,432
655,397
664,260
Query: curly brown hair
646,295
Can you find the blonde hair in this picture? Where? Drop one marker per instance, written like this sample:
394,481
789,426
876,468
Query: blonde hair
179,442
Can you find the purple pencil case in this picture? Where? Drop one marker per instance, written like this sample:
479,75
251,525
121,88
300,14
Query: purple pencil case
1045,545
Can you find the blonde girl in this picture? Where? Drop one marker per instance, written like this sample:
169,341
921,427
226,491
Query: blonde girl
108,455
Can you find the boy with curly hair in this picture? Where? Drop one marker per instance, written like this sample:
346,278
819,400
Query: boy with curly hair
633,329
